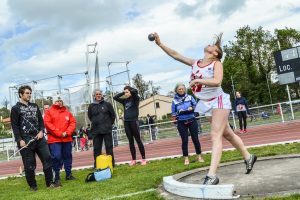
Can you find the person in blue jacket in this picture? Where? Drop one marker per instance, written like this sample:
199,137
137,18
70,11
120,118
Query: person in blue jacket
183,106
241,109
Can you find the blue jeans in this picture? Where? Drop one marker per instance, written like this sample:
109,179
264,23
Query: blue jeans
61,155
183,129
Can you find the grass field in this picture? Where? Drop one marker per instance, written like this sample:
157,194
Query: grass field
126,179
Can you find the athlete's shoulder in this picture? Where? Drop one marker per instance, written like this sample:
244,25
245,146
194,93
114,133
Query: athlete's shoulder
218,62
196,61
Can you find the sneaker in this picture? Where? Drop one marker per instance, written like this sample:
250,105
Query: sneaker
250,162
241,131
211,180
33,189
55,184
245,131
144,162
133,162
70,178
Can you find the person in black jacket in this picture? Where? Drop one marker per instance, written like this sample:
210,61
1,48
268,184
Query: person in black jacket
131,123
27,125
241,109
102,117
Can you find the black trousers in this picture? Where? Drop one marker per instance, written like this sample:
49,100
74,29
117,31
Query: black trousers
97,143
133,132
183,129
242,115
40,148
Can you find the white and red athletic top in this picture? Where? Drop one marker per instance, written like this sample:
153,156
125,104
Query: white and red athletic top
206,72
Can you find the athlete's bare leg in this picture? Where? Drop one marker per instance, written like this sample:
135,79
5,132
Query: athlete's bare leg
236,142
219,122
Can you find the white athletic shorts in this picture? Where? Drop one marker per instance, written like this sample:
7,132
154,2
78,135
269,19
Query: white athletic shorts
205,107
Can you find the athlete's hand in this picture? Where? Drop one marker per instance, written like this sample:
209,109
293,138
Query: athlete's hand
40,135
22,143
193,82
157,39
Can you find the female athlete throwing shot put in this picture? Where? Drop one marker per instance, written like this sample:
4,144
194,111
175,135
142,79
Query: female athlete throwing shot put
206,79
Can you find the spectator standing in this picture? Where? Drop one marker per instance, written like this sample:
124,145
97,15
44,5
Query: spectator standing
131,123
183,106
60,125
102,117
241,109
27,124
150,122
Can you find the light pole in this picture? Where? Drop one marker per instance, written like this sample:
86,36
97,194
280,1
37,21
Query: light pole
269,92
232,85
69,96
151,84
88,68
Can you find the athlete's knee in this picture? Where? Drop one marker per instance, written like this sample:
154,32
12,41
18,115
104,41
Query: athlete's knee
216,135
227,135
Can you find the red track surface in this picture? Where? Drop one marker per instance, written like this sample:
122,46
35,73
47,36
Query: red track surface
259,135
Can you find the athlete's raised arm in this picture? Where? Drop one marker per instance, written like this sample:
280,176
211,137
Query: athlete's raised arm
174,54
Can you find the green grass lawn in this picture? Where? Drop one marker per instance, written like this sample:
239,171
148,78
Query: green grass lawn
126,179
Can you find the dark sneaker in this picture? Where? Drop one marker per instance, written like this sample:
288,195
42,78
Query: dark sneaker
70,178
33,189
55,184
211,180
250,162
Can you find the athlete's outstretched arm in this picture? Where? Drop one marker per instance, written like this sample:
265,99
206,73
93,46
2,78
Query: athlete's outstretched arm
214,82
174,54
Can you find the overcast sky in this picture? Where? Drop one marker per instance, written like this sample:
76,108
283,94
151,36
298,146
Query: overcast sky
42,38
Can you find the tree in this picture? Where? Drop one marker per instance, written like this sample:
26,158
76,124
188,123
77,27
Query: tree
144,88
4,112
5,102
249,61
153,90
141,85
171,94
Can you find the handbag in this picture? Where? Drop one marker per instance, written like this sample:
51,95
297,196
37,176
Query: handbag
103,161
99,175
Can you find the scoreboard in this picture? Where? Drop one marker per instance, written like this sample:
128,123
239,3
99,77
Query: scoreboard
288,65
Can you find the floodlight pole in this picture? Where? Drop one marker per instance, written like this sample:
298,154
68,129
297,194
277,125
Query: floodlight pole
111,94
128,72
154,103
33,90
58,83
269,91
88,69
232,85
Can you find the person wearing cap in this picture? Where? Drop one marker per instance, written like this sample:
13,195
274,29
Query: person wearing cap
60,125
183,114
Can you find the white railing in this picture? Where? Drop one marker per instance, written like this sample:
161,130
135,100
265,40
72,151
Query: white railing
280,112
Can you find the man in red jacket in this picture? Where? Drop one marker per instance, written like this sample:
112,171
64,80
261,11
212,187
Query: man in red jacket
60,125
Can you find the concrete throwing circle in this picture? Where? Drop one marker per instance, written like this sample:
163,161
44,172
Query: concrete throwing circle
278,175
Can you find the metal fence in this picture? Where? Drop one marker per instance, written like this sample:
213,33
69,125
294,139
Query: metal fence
259,115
